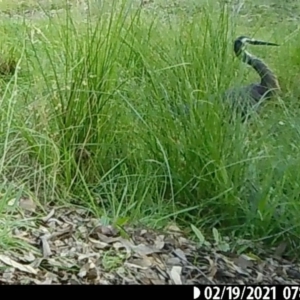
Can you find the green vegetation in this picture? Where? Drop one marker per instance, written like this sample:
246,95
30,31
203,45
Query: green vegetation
86,119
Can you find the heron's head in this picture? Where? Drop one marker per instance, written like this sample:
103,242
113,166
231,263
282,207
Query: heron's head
240,44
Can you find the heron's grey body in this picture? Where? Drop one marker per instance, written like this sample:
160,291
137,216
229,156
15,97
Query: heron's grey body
249,97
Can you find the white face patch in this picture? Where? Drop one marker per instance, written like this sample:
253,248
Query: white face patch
246,40
248,54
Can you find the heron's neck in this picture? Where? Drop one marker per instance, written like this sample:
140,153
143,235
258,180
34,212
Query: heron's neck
268,78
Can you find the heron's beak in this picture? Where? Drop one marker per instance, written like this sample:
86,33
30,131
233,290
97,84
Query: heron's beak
256,42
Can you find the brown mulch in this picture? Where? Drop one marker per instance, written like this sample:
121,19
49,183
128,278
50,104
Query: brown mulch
69,247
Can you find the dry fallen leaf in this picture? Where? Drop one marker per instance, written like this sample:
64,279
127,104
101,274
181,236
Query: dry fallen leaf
213,268
24,268
98,244
175,274
45,245
180,254
62,234
28,257
12,202
243,262
92,274
143,250
108,230
49,216
89,255
173,228
84,269
27,204
259,277
140,263
280,249
103,238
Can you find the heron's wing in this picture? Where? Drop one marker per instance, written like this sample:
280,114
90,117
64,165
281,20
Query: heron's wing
257,92
243,100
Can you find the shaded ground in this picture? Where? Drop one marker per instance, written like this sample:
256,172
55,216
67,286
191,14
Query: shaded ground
69,247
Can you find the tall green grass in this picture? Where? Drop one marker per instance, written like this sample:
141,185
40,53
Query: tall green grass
93,123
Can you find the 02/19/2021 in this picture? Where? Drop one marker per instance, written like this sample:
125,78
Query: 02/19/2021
239,292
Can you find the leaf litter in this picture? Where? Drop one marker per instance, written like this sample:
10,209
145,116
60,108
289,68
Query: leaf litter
68,247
